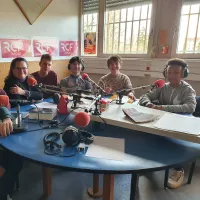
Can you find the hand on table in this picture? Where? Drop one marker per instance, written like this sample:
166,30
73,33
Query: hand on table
132,96
6,127
108,90
157,107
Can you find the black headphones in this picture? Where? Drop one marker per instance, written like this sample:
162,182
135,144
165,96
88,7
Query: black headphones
79,60
71,137
183,64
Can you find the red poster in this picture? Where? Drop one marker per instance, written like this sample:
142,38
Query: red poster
11,48
68,48
41,47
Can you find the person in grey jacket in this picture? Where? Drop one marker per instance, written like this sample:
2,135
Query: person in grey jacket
74,81
176,96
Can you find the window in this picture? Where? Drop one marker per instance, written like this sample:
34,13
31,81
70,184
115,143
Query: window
189,32
127,25
90,27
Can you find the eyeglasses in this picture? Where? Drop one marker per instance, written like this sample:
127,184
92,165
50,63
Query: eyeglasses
21,68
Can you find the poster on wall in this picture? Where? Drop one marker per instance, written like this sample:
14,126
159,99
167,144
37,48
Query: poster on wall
68,48
90,43
11,48
45,46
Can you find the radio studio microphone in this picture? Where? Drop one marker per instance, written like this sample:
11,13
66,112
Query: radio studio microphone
31,81
82,119
4,101
160,83
157,84
86,77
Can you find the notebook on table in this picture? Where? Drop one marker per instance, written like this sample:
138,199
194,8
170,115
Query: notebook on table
139,117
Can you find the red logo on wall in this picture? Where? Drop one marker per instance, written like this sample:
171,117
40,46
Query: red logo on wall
11,48
68,48
41,47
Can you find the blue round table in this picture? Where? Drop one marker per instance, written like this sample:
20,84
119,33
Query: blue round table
147,153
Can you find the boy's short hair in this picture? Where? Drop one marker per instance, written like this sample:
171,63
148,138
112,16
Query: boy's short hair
177,61
46,57
115,58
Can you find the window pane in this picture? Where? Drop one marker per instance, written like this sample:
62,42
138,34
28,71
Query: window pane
135,36
137,12
185,9
183,33
111,16
130,14
117,15
123,15
142,36
116,38
149,14
195,8
197,45
131,28
144,12
128,37
191,33
122,37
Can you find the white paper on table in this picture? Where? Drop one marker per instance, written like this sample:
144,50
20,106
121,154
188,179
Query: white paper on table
179,123
107,148
46,105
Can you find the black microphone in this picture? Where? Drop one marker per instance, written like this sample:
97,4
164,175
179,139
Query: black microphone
19,101
86,77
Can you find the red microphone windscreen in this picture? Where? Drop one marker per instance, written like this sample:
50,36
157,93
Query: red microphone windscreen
4,101
84,76
82,119
159,83
31,81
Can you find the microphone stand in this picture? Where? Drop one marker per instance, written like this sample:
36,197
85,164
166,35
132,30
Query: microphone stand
96,111
19,127
75,100
121,93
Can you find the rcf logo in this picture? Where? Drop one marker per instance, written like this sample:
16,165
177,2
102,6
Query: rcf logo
68,48
45,46
13,48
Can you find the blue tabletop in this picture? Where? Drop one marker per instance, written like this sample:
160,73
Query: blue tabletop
146,151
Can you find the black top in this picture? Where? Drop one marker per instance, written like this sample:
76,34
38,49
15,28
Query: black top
33,92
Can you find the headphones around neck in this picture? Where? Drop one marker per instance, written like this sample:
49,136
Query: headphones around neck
184,66
79,60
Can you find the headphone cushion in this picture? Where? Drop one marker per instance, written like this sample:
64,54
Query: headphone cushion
71,136
186,72
87,137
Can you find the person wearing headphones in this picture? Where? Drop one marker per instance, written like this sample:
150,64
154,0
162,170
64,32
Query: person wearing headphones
115,80
74,80
177,96
16,83
45,75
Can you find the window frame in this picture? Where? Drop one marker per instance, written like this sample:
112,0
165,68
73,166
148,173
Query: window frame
101,30
176,37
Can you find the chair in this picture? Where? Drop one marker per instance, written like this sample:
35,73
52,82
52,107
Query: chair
197,110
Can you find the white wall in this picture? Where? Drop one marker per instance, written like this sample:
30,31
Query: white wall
60,19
